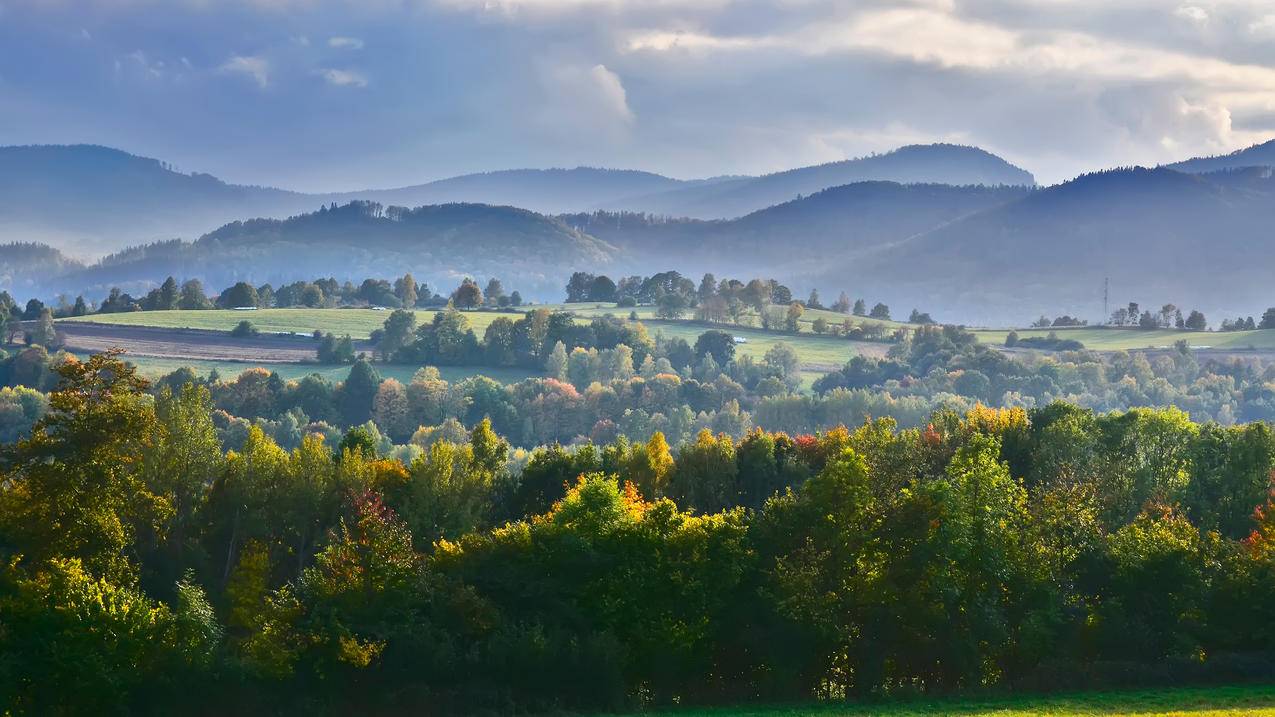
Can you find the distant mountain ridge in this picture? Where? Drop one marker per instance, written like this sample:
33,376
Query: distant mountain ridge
1258,155
914,164
89,199
438,244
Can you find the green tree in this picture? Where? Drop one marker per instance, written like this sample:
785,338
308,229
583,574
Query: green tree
467,295
357,393
74,488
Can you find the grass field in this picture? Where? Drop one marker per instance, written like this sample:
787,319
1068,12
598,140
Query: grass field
1100,339
155,367
1250,701
358,323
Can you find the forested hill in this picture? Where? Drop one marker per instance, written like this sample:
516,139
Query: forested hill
91,200
831,225
437,243
540,190
1157,234
1259,155
914,164
88,198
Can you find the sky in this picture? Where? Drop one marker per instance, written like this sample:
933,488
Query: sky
328,95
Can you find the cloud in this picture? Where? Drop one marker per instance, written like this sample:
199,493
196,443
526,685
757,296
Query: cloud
1194,13
256,68
345,43
342,78
583,104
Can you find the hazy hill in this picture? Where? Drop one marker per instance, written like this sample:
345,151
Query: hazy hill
87,198
438,244
541,190
24,265
90,200
1259,155
914,164
1160,235
833,224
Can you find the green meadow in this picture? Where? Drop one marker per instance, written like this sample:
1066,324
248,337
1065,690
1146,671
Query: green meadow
1250,701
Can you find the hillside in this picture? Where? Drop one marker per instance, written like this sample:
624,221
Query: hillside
24,267
914,164
1159,236
794,236
438,244
1259,155
87,198
91,200
540,190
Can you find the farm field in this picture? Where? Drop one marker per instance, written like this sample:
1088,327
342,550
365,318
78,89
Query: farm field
1250,701
153,368
358,323
1100,339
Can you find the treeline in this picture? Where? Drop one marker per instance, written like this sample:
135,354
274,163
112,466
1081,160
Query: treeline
144,569
1168,317
724,301
403,292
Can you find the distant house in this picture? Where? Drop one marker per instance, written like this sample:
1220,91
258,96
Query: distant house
245,308
740,339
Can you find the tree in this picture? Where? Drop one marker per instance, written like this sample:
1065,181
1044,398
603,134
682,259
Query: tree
192,296
1268,319
792,319
602,289
244,329
880,311
556,363
718,344
357,393
813,301
399,330
45,333
1196,321
860,308
515,299
467,295
76,479
79,309
494,291
842,304
169,295
241,295
578,287
707,287
405,290
671,306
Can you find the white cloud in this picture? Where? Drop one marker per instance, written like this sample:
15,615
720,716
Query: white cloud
1194,13
345,43
256,68
1263,26
343,78
583,103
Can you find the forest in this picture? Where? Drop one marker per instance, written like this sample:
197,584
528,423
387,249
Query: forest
146,569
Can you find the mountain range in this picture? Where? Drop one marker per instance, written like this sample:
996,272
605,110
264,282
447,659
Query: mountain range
90,200
978,252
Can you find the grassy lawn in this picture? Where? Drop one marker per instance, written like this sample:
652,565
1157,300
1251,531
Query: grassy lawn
1184,702
358,323
155,367
1101,339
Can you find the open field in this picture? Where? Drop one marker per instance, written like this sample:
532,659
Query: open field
1250,701
1102,339
153,368
358,323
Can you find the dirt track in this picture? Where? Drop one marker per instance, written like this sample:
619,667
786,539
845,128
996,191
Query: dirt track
189,343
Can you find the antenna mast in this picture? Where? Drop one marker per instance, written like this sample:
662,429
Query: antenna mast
1106,293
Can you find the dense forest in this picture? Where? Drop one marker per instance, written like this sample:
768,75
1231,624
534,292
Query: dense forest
146,569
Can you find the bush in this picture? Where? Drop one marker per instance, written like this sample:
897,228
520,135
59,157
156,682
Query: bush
244,329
